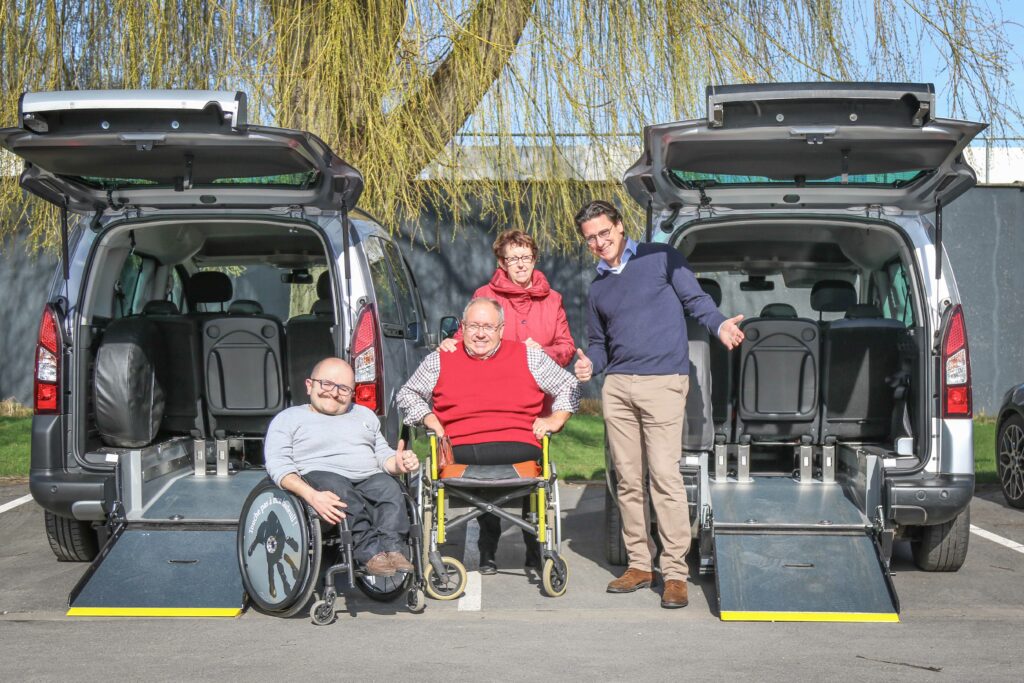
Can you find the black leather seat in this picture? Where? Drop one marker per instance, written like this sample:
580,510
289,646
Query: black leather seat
778,310
860,356
181,373
698,427
243,355
722,374
310,340
777,389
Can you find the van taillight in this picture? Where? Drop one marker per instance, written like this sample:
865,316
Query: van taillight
46,399
366,360
956,367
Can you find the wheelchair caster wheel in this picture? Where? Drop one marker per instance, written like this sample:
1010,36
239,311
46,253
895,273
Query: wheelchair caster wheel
555,577
322,612
416,600
450,586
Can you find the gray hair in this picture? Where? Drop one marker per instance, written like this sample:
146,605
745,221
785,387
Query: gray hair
489,300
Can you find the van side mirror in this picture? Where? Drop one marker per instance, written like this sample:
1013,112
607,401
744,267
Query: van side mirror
449,326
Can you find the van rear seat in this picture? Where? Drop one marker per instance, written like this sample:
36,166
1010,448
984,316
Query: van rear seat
242,361
309,340
860,354
722,385
778,380
181,373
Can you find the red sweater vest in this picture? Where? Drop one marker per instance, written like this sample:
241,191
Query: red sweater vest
496,399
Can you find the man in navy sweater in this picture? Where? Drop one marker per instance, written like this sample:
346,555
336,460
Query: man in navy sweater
637,337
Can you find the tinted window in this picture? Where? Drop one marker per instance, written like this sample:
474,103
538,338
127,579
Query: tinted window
897,304
403,284
388,308
127,285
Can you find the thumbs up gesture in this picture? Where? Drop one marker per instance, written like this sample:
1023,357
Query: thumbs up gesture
405,461
584,367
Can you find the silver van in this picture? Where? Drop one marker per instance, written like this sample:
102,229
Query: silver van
208,264
843,422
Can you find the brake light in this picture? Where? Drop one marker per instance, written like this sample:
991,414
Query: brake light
46,380
956,367
366,361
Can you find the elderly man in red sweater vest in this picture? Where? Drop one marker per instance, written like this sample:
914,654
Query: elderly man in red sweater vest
488,397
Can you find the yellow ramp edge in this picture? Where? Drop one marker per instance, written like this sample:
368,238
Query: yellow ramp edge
154,611
872,617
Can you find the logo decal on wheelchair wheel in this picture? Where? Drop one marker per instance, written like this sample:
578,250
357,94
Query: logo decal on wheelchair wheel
271,544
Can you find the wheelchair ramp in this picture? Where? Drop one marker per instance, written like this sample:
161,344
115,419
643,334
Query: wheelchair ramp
163,572
790,552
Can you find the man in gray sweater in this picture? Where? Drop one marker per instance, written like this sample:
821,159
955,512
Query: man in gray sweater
332,454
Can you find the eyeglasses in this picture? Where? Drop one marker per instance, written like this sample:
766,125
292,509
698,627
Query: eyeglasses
603,235
512,260
329,386
474,327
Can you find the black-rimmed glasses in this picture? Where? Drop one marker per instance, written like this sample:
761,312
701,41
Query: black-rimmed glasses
513,260
329,386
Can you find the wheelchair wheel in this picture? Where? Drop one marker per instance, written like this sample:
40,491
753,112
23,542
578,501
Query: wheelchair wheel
416,600
450,587
384,588
322,612
279,550
555,577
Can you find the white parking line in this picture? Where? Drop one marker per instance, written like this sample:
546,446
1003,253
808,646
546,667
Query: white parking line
1012,545
15,503
473,597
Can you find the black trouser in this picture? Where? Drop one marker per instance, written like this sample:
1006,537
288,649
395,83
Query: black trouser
376,512
498,453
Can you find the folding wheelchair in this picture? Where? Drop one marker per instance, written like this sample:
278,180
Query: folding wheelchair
487,489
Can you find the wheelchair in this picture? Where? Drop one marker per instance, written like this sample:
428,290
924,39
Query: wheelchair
282,543
483,489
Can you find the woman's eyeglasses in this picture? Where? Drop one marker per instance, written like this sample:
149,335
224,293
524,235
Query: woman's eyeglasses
512,260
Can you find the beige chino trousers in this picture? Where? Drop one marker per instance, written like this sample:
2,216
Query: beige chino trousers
643,417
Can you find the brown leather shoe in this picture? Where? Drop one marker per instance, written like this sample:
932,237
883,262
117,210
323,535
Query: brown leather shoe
674,595
399,562
632,580
380,565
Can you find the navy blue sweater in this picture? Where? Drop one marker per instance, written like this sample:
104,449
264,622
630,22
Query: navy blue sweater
636,324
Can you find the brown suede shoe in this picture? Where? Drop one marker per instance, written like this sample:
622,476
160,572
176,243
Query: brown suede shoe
399,562
631,581
380,565
674,595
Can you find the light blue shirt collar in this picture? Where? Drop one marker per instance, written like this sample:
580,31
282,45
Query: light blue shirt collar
630,250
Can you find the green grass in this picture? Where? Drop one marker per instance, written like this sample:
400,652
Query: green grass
985,450
15,435
577,451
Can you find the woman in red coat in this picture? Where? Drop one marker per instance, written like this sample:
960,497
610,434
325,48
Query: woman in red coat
533,311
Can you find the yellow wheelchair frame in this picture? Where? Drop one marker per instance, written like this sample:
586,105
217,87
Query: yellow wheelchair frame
445,576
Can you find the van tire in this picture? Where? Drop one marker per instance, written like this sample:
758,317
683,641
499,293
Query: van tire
70,539
943,547
614,548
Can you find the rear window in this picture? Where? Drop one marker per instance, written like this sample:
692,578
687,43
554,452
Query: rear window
693,180
290,180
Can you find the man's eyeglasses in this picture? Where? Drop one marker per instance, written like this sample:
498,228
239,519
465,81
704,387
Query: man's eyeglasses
329,386
603,235
512,260
474,327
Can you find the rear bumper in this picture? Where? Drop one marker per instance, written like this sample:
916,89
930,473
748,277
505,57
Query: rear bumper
75,495
928,499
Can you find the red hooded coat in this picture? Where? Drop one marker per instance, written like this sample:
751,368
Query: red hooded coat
533,313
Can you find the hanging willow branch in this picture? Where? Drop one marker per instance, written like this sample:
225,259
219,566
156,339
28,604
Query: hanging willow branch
510,104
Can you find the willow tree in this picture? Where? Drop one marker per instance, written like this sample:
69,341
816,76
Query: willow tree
508,103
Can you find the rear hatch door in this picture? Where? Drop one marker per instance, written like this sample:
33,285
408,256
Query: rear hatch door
808,145
180,149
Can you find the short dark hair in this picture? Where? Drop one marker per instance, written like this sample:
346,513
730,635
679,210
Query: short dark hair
595,208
